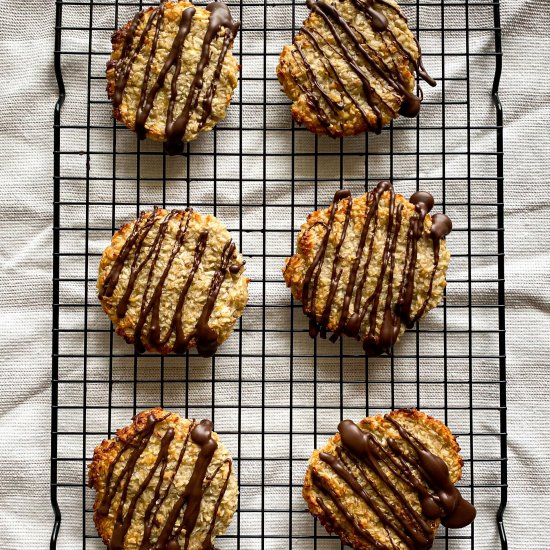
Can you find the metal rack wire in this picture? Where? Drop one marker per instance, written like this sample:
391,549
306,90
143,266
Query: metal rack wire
273,393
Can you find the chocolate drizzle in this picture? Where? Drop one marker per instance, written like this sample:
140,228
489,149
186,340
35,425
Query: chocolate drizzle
353,315
176,126
356,47
377,471
205,337
314,270
189,501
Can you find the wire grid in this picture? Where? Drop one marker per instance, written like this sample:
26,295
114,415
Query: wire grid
273,393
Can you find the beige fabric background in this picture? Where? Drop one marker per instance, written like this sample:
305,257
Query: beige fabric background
27,95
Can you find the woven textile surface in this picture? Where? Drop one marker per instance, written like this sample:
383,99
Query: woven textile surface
28,93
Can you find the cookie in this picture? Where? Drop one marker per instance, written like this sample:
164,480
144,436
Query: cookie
172,281
172,73
387,482
352,67
164,482
371,266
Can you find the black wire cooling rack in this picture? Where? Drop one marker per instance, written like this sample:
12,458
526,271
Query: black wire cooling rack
273,393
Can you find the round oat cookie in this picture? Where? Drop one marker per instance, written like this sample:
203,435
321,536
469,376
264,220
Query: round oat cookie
172,73
352,66
163,482
371,266
387,482
172,281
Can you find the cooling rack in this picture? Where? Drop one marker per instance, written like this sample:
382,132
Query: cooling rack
272,392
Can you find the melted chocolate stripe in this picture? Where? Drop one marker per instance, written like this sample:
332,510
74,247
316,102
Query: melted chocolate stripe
314,270
136,238
146,104
155,505
139,446
124,65
207,339
370,343
313,41
378,19
429,502
394,465
181,342
353,325
396,9
411,103
219,17
371,208
335,276
390,74
312,101
428,475
419,66
154,326
123,521
324,10
364,448
441,227
192,495
230,34
340,468
456,512
122,306
404,303
147,306
314,82
407,515
172,103
207,543
389,331
141,116
325,488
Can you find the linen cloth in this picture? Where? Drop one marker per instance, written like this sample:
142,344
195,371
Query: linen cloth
28,93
